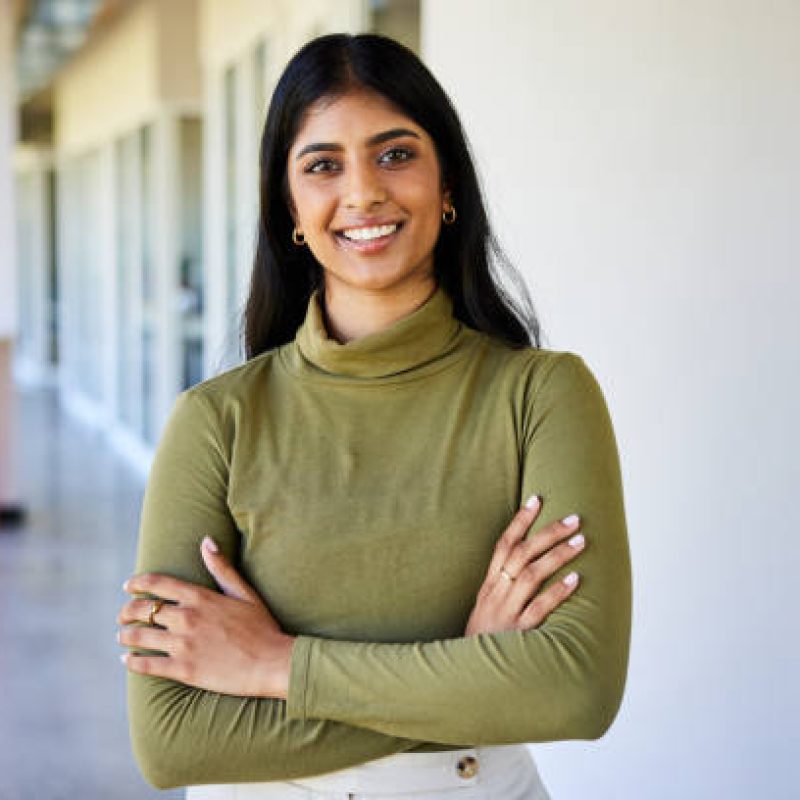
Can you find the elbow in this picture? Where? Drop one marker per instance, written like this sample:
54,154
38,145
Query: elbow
596,722
597,712
597,678
158,766
161,760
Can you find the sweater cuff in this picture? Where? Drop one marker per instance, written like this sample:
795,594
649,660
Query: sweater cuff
298,678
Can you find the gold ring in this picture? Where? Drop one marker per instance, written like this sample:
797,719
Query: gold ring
155,607
508,577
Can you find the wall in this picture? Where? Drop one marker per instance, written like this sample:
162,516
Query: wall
121,79
642,168
111,85
8,282
8,290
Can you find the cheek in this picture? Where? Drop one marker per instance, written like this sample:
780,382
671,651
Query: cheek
424,199
314,209
308,198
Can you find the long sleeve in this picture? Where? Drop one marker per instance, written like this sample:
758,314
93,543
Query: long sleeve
562,680
183,735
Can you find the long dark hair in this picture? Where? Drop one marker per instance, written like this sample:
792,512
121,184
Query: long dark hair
284,275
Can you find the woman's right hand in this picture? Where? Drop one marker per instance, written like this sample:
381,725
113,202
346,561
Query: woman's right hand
505,604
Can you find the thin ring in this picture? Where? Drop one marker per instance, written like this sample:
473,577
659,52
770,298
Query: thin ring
155,607
509,578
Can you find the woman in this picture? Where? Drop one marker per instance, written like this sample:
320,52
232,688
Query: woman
393,616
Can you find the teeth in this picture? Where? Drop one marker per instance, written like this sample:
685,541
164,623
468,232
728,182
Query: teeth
362,234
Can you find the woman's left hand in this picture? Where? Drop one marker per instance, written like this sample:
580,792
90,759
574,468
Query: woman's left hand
228,643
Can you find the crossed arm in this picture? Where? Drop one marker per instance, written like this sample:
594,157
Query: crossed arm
350,702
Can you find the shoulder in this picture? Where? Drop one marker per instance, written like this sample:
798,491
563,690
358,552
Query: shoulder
221,402
541,382
236,385
535,368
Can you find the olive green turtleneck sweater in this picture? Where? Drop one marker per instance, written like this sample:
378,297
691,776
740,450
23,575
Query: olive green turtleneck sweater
361,489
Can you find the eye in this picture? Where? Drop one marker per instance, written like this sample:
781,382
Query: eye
312,167
403,152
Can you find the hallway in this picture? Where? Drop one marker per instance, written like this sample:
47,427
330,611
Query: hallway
63,729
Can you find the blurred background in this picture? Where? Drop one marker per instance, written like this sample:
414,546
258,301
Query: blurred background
641,165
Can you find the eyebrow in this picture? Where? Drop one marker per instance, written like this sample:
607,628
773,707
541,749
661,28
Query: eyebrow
378,138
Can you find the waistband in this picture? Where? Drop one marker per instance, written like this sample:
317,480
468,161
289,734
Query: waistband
446,769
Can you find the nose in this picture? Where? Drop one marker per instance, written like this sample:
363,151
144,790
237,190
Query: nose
364,186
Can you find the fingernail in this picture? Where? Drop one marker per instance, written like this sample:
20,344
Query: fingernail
571,579
577,540
125,586
532,501
570,520
210,545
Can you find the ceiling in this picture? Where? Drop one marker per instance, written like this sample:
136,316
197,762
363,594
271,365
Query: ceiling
48,32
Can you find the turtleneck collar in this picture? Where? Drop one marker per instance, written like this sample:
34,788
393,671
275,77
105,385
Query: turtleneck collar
427,334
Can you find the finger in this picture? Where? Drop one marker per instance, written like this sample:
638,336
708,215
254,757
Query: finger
513,534
542,542
139,611
546,602
164,586
145,637
157,666
224,573
534,574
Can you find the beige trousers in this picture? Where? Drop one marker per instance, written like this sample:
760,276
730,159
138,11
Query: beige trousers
497,772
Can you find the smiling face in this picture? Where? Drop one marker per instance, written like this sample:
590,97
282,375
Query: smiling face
357,164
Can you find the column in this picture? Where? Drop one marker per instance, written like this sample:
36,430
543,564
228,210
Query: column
11,512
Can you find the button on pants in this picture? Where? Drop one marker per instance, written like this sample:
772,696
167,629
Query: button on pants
496,772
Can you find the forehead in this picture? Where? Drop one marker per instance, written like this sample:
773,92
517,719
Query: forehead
351,117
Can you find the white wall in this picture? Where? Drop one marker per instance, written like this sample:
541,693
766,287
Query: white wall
32,167
641,162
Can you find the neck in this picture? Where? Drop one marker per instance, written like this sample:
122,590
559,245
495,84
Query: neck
351,313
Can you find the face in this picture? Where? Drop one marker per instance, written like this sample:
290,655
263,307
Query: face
359,163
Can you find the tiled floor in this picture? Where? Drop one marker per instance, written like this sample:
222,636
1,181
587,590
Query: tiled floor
63,730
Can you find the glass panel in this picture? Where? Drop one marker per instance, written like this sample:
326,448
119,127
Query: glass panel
26,233
191,266
260,88
231,191
66,216
148,288
135,301
52,309
126,160
86,272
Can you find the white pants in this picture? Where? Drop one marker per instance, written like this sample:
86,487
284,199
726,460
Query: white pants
497,772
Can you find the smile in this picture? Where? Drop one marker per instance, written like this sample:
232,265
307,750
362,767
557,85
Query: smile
369,240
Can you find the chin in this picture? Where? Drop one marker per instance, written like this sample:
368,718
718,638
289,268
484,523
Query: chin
370,277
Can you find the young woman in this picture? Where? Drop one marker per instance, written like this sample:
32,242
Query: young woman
355,560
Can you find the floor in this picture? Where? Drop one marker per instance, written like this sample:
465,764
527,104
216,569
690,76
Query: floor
63,729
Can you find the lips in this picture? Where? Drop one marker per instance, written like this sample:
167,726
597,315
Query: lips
368,246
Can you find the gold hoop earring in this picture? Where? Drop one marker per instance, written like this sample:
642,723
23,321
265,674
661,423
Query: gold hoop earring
449,220
297,237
